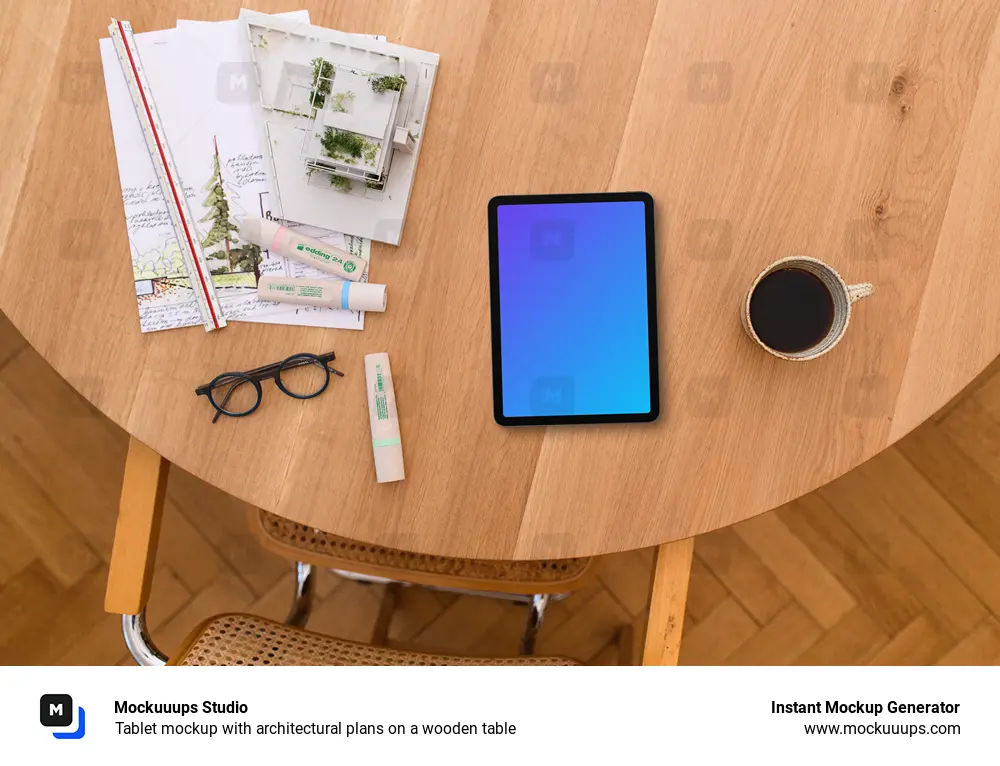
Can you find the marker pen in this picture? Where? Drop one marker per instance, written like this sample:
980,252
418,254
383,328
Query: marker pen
329,293
384,419
289,243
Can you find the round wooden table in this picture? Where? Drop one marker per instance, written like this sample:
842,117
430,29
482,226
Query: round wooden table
864,137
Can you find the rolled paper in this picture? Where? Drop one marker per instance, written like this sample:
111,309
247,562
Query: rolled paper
384,420
279,239
329,293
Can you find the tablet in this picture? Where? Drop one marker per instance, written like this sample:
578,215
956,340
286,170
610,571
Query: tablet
573,309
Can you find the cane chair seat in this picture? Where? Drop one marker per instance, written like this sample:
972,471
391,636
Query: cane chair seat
243,639
299,541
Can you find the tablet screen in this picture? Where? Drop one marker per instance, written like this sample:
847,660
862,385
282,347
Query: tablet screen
573,283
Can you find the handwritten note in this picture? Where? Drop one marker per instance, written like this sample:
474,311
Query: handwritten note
218,156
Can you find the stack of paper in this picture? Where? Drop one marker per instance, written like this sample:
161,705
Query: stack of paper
202,78
341,118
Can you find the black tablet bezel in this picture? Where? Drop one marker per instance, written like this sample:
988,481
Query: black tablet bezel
654,376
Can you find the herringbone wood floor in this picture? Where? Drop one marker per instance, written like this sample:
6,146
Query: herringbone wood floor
896,563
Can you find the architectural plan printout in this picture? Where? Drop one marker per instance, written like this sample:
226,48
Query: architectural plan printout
202,82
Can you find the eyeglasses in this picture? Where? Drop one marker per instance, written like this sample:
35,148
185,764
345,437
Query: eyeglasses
300,376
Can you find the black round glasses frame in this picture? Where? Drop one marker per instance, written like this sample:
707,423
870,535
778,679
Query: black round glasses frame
269,371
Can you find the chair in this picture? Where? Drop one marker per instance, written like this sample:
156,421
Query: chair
243,639
533,583
250,640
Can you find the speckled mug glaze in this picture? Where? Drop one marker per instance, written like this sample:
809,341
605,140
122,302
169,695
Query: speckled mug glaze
843,295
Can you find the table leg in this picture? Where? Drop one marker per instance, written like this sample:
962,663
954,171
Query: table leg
668,597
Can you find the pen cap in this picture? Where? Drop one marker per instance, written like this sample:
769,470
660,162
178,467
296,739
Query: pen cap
389,464
362,296
289,243
384,419
259,231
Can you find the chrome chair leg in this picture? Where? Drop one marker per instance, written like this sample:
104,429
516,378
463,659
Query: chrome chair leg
139,642
536,603
380,633
536,611
517,598
305,591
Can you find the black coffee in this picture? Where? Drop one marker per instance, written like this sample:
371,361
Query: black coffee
791,310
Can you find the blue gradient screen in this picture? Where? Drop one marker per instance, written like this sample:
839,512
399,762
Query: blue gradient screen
574,332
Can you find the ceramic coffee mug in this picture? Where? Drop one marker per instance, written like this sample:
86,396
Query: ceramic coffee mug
842,294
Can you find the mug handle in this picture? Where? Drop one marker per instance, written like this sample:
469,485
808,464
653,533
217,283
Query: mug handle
857,292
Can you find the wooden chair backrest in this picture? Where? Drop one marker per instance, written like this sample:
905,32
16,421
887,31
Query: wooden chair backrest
144,487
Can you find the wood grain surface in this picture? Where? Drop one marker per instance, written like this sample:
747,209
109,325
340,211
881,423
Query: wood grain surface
860,132
894,562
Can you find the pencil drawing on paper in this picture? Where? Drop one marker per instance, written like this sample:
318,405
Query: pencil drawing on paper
232,264
160,273
223,176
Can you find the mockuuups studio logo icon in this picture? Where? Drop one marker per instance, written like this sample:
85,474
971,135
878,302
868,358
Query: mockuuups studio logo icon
56,712
349,266
235,82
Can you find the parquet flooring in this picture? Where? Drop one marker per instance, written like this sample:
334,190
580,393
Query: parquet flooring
897,562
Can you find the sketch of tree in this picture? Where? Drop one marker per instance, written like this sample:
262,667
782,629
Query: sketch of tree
248,259
244,258
223,228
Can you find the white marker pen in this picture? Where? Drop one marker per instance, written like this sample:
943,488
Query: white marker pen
289,243
329,293
384,419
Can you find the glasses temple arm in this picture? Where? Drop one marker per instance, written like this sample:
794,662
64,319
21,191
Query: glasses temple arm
222,404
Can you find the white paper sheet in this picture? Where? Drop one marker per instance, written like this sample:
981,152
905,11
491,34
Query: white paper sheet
284,51
197,75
